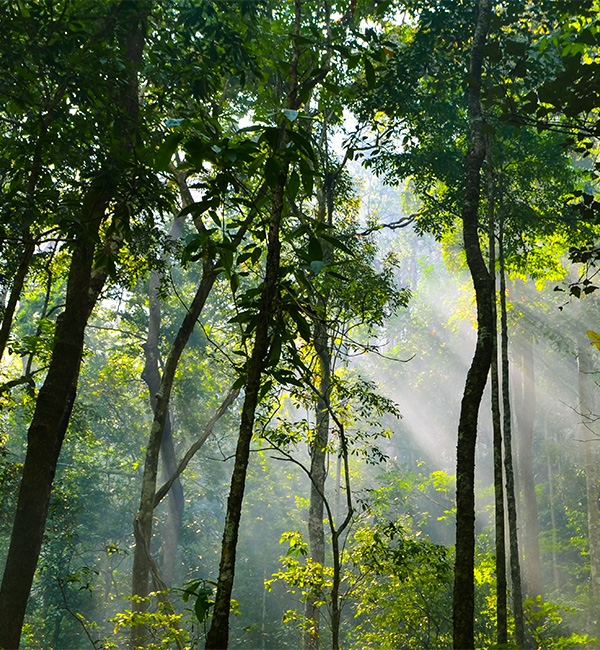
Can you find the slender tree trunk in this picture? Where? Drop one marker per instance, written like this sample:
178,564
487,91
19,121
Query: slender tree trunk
590,439
318,447
500,532
464,589
15,293
511,505
151,375
218,634
142,560
336,535
552,497
525,412
318,472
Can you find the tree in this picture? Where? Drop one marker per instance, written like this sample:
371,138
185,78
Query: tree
55,400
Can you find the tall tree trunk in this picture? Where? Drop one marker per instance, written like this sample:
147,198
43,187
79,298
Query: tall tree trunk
336,535
142,559
151,375
45,435
511,505
318,472
590,439
56,397
218,634
318,446
499,512
552,496
464,588
525,412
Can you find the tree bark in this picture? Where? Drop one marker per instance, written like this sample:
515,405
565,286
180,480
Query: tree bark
15,293
511,505
56,396
143,521
151,375
218,634
499,511
464,589
318,472
318,446
45,436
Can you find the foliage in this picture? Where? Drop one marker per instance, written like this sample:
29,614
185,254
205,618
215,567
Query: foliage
545,621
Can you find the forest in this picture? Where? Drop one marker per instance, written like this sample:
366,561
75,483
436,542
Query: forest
299,324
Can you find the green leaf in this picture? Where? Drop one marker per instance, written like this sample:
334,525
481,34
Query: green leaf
307,177
293,184
594,338
316,267
202,604
194,244
369,73
275,352
256,163
303,143
301,323
201,207
165,152
315,252
234,282
337,243
272,170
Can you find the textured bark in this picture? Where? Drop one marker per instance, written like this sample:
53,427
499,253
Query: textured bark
511,505
525,413
218,634
56,397
590,439
318,472
464,589
499,511
318,446
46,434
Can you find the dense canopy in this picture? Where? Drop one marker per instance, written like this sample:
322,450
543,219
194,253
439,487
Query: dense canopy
298,337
